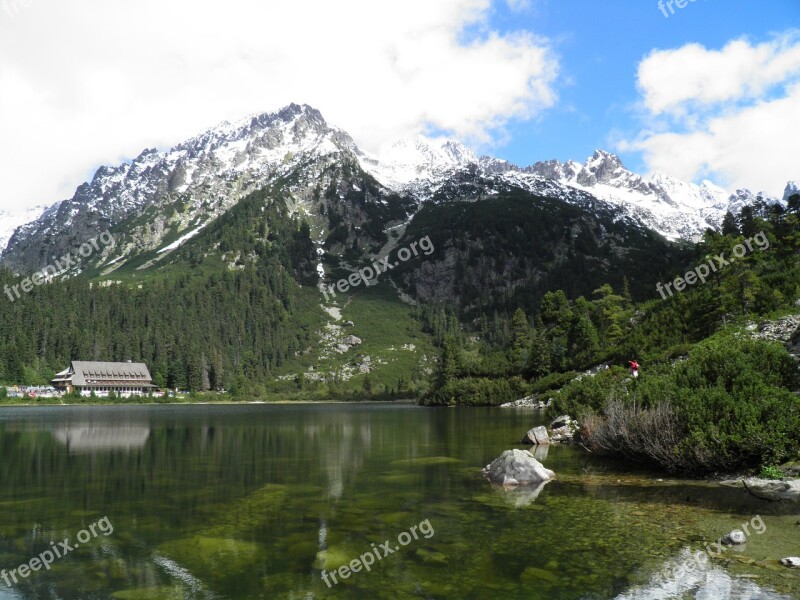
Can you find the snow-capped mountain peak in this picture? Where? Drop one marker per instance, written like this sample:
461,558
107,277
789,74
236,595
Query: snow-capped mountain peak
419,158
165,197
189,185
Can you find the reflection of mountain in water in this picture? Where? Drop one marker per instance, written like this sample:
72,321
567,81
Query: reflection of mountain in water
685,577
96,438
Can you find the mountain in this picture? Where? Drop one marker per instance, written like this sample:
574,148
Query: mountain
160,200
223,244
675,209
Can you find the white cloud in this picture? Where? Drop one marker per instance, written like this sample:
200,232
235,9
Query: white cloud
731,114
93,82
671,79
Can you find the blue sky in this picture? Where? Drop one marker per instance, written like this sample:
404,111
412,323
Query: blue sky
712,91
600,44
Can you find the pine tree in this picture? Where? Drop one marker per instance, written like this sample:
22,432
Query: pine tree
367,384
539,354
520,330
747,223
729,225
583,341
448,364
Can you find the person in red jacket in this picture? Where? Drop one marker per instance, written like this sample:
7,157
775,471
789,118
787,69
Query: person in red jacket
634,367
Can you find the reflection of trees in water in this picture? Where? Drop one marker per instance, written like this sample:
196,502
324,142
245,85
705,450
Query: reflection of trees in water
155,475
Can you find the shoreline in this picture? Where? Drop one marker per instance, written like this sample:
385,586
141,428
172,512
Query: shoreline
198,403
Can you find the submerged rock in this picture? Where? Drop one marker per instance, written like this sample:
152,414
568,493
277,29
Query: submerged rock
517,467
791,561
537,436
734,538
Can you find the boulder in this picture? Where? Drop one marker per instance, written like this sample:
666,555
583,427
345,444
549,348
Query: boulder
791,561
517,467
526,402
562,421
734,538
787,490
563,430
537,436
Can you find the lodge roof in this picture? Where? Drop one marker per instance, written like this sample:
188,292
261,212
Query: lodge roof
82,373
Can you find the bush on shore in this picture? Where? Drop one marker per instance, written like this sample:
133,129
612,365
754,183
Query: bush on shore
727,407
476,391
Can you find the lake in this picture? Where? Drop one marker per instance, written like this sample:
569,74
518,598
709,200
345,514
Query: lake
255,501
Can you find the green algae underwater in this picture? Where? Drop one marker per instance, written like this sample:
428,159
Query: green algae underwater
254,501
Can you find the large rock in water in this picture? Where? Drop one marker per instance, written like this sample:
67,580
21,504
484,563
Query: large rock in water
768,489
517,467
537,436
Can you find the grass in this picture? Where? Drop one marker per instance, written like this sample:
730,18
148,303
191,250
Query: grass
383,323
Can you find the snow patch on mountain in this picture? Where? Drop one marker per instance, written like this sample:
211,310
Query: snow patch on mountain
410,160
177,243
10,219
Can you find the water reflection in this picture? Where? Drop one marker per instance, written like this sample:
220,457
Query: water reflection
240,502
98,438
689,576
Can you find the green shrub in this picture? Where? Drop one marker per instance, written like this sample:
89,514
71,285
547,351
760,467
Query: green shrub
730,399
771,472
472,392
553,381
581,397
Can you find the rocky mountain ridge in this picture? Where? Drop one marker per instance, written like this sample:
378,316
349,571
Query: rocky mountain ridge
160,200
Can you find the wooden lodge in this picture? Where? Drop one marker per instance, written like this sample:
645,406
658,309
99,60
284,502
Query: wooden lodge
102,378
